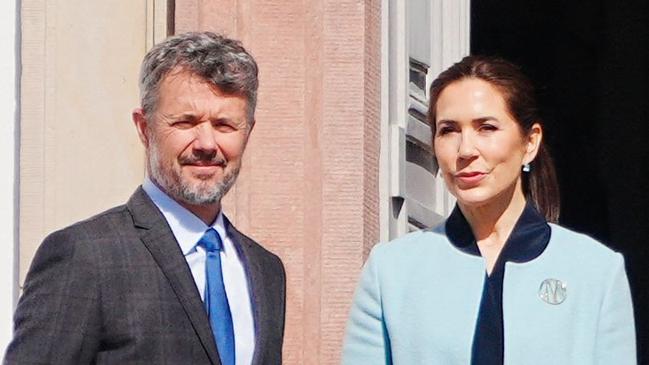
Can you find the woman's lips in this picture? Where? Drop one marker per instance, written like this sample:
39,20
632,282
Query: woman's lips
470,178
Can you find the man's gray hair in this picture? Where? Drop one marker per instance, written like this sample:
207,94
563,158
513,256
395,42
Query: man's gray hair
220,60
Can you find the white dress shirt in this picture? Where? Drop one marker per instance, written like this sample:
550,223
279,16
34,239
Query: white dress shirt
188,230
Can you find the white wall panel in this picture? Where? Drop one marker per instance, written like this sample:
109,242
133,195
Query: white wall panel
8,147
79,150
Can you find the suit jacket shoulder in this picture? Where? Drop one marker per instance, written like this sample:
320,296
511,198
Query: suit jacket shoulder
115,288
58,318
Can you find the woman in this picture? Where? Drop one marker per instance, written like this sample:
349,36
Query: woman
496,283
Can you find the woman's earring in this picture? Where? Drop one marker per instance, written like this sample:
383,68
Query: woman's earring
527,167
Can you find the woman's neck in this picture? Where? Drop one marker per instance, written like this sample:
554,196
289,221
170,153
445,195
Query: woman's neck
492,223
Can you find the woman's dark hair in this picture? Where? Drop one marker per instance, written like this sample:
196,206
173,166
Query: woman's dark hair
540,184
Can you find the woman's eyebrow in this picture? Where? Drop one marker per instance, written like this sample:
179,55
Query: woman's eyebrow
476,120
446,121
485,119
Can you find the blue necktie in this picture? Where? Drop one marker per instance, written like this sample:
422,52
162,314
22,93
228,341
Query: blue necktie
216,300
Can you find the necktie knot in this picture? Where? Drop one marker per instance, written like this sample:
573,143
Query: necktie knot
211,241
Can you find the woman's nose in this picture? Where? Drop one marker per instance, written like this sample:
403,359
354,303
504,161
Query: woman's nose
466,147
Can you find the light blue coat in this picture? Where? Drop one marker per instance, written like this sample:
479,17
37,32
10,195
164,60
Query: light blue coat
418,298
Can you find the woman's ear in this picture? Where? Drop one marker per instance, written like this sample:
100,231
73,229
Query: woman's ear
533,143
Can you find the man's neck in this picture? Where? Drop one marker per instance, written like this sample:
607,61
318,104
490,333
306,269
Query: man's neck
207,212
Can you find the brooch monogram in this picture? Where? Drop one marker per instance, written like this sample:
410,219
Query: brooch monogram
553,291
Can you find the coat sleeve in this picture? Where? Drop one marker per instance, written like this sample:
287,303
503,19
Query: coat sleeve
57,317
616,341
367,339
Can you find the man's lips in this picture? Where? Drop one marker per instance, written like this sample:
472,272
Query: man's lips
204,167
203,164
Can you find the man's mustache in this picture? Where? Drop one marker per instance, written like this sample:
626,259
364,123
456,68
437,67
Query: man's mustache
203,159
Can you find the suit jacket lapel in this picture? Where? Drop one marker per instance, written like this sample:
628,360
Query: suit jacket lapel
159,240
259,301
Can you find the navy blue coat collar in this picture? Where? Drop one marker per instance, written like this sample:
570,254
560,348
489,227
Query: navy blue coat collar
528,239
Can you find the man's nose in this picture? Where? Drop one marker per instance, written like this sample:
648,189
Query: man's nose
205,137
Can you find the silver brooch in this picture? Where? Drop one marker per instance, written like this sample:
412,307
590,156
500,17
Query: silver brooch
553,291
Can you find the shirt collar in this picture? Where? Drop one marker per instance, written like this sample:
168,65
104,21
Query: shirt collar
186,227
528,239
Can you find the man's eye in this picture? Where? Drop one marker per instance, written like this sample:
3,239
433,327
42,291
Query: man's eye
182,124
224,127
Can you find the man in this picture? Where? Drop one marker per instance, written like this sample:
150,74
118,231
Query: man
165,279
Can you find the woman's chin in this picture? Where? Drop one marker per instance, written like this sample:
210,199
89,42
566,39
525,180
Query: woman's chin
472,197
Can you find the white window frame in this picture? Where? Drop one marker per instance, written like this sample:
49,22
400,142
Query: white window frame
448,25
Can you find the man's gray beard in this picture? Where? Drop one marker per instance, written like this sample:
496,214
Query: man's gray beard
172,183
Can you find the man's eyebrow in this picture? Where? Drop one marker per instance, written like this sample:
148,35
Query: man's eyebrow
181,116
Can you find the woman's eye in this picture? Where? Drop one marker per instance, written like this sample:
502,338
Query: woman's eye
488,128
445,130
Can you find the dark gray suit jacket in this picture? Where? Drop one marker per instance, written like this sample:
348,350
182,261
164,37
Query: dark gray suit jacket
116,289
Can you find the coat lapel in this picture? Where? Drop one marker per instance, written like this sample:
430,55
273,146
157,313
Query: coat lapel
259,301
159,240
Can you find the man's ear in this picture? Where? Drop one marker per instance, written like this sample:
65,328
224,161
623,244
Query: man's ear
533,143
141,125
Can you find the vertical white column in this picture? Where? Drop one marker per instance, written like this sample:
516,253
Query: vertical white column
8,154
384,161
